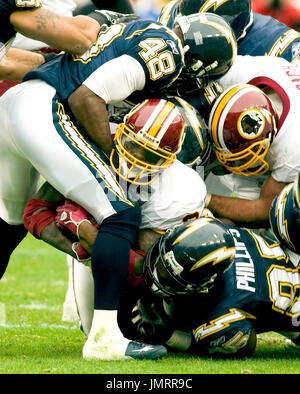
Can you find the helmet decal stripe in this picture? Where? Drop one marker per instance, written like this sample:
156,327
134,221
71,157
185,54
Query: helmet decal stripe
194,226
153,115
158,117
215,257
166,124
282,225
189,112
211,3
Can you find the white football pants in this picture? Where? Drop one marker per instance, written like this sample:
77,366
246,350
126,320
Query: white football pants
38,138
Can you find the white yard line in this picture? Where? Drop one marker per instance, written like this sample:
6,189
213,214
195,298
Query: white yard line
42,325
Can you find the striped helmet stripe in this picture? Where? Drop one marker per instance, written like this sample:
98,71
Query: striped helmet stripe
158,117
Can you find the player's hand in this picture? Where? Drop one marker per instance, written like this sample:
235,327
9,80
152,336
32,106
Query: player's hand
150,324
81,254
70,216
105,17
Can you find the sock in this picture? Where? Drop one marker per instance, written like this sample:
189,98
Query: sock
84,295
105,324
110,257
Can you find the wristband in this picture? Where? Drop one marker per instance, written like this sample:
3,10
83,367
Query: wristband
101,19
35,221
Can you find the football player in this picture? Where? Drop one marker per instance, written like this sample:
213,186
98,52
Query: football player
168,191
45,139
252,128
214,288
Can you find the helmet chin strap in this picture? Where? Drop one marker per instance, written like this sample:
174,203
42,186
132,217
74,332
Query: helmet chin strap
205,287
186,48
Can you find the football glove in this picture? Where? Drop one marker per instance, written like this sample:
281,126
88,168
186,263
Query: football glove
150,324
81,254
70,216
105,17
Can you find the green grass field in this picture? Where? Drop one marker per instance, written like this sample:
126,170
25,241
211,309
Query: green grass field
34,340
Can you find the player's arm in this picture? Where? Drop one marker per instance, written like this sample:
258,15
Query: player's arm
40,220
71,34
91,113
205,349
112,82
227,335
243,212
17,62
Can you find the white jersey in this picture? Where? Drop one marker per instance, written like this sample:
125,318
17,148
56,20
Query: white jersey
283,156
177,194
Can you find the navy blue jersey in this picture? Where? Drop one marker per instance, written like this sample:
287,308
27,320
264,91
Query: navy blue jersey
269,37
259,291
168,13
7,31
153,45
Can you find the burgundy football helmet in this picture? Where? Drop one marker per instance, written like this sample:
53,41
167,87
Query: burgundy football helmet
242,124
148,140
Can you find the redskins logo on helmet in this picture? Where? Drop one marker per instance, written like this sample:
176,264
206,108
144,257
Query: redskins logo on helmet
241,126
189,258
148,140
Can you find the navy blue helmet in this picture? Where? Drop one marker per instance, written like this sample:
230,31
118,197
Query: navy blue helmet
209,46
189,258
236,12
